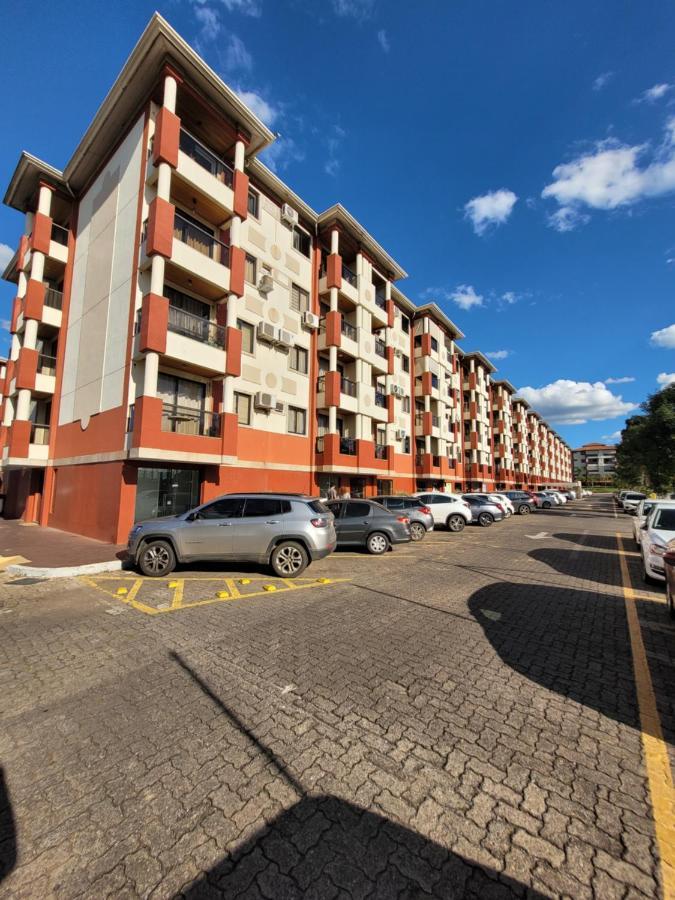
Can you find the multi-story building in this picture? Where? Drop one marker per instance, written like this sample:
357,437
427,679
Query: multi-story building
185,325
595,463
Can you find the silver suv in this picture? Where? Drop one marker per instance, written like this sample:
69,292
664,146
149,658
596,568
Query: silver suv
285,531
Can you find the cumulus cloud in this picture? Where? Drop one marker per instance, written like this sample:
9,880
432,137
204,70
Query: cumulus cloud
569,402
245,7
664,337
654,93
264,110
354,9
665,378
602,80
614,437
465,296
235,56
493,208
498,354
612,175
383,40
6,253
509,298
625,379
281,154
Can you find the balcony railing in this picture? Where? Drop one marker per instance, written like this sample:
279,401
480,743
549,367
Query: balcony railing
347,386
348,446
60,234
348,275
185,420
419,459
205,158
349,331
380,399
380,347
436,421
53,298
46,365
39,434
200,239
380,451
189,325
321,384
380,300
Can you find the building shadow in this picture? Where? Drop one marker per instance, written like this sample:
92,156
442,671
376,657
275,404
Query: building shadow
8,843
323,845
586,564
600,541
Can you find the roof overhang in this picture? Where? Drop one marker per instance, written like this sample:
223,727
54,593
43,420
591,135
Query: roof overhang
339,214
28,174
522,402
259,172
482,359
435,312
399,297
502,382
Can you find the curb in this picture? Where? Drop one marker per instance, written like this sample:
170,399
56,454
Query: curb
64,571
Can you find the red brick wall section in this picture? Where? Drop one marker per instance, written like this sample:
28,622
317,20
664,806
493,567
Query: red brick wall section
333,328
232,351
42,233
237,264
334,271
229,433
34,300
159,238
16,309
426,345
26,369
86,500
240,182
332,388
154,323
19,439
167,138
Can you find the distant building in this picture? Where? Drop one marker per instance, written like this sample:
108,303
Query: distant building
595,462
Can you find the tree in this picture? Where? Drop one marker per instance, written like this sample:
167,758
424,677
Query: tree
647,449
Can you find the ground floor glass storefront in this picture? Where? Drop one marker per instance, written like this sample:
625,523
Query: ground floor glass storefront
165,492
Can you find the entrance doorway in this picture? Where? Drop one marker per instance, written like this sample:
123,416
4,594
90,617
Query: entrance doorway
165,492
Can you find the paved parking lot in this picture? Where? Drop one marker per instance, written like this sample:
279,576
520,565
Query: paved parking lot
480,715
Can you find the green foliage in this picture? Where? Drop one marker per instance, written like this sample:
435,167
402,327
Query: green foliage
646,454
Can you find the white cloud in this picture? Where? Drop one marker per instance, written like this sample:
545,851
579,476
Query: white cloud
576,402
282,153
265,111
493,208
245,7
6,253
509,298
235,56
5,324
209,21
602,80
654,93
614,437
664,337
625,379
665,378
498,354
354,9
333,143
383,40
610,177
465,297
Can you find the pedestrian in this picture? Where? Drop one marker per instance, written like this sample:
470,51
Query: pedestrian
332,492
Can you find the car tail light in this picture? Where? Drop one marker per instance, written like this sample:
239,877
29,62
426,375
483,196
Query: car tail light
404,519
319,523
499,507
425,510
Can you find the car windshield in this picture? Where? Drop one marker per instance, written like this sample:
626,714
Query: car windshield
634,497
664,520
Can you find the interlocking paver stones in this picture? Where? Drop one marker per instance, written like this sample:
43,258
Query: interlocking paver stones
459,720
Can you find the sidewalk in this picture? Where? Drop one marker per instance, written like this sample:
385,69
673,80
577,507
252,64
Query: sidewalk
49,548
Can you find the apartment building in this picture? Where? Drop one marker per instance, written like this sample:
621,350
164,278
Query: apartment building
186,325
595,463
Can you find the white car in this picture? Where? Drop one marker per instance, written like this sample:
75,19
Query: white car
631,500
557,498
644,507
505,502
446,509
657,531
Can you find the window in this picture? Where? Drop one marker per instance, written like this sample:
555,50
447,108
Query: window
254,204
301,241
228,508
434,381
297,420
664,519
418,340
322,424
434,345
251,269
266,506
405,363
299,299
247,335
242,407
357,510
405,401
298,360
405,324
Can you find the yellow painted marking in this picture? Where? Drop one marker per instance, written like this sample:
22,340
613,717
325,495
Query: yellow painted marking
269,587
223,595
323,580
121,591
654,748
12,561
244,581
173,584
233,589
177,599
135,588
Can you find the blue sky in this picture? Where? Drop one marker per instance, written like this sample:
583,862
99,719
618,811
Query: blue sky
517,158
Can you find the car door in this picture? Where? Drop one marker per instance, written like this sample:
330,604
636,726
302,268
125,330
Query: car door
355,522
436,511
207,532
261,521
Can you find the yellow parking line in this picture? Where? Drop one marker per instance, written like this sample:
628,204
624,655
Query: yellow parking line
178,594
654,748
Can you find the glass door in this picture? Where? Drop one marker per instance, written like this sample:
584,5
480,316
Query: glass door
165,492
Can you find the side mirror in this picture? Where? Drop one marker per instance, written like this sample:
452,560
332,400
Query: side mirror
644,526
192,517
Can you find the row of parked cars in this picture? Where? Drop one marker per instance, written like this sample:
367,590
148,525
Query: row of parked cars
654,533
289,531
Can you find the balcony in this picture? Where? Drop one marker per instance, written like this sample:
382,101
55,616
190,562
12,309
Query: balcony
196,327
197,252
380,300
380,451
39,434
200,171
186,420
348,387
201,240
53,298
349,276
46,364
60,235
380,348
204,157
349,331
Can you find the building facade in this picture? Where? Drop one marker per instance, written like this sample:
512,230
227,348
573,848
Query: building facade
595,463
185,325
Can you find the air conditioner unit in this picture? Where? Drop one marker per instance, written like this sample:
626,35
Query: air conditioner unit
398,353
397,391
401,434
285,338
267,332
264,400
310,319
265,284
280,407
289,215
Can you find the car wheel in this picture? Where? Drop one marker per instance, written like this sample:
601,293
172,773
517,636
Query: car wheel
671,600
546,505
417,531
523,510
377,543
485,520
156,559
289,559
455,523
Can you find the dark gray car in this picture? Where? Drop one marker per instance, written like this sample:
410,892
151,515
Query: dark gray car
483,510
523,503
364,523
420,516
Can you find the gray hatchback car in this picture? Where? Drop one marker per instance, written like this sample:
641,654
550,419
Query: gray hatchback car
364,523
284,531
420,516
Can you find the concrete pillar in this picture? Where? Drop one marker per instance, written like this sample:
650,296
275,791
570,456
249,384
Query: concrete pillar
45,200
170,92
16,347
30,334
151,374
332,419
333,299
239,155
8,416
23,405
335,241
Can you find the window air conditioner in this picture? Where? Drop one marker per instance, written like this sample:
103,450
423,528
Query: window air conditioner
265,284
310,319
289,215
264,400
267,332
286,338
401,434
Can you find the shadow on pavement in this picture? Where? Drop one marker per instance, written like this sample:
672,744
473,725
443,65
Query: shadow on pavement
323,845
8,848
587,564
600,541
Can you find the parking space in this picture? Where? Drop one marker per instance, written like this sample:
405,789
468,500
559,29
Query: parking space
478,714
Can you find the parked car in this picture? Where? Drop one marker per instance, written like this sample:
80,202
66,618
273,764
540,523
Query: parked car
364,523
657,531
523,503
285,531
630,501
642,510
446,509
420,516
669,568
618,497
545,501
483,510
562,499
505,502
571,495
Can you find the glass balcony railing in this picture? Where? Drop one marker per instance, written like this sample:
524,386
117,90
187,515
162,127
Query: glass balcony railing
347,386
349,331
200,239
60,234
196,327
186,420
380,451
348,446
46,364
39,434
380,347
380,300
53,298
348,275
205,158
380,399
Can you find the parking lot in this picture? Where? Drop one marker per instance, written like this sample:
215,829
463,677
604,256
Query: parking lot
477,715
